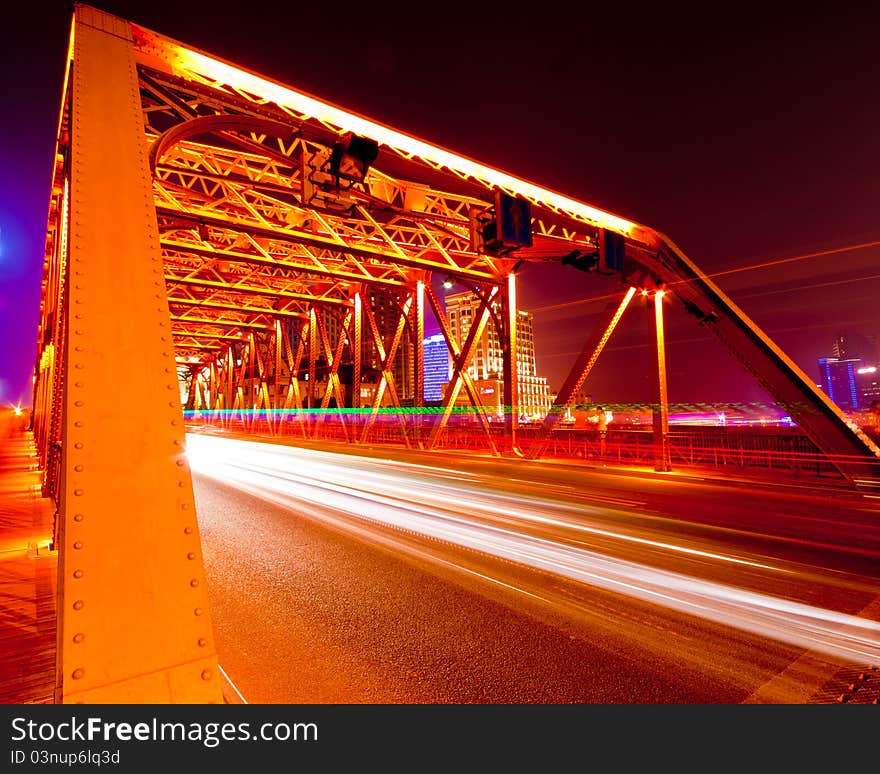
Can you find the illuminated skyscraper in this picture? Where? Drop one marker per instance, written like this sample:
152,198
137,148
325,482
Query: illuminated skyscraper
436,355
868,385
839,381
487,362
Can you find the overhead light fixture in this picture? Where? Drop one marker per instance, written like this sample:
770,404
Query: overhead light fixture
449,282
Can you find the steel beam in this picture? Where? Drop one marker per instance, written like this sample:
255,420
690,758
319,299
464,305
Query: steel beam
419,360
133,621
510,363
662,461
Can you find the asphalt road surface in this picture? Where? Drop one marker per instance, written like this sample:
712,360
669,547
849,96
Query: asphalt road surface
394,577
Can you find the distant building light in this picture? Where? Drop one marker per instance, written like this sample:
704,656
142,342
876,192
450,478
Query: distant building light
867,370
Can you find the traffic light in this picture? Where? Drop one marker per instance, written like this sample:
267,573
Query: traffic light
504,228
612,251
607,258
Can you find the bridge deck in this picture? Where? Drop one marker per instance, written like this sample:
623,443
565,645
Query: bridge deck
27,573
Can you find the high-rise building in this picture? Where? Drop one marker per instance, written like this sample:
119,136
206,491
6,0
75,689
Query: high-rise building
487,363
838,380
868,385
436,360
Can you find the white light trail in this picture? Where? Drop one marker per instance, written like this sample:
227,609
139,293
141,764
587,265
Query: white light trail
471,516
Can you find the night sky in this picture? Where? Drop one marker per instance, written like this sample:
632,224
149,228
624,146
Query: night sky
745,134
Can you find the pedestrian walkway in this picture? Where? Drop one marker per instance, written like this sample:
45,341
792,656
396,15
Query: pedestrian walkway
27,571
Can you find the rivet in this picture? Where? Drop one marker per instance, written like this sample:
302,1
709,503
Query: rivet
78,637
77,574
177,442
190,555
180,463
194,582
77,445
198,611
79,605
78,468
78,384
77,424
78,349
173,421
77,492
206,674
78,517
202,642
78,403
184,507
78,366
78,544
187,530
78,674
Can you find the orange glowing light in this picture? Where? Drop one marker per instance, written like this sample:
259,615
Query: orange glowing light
189,64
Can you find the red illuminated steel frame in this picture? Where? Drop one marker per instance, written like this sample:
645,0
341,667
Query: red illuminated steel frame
198,230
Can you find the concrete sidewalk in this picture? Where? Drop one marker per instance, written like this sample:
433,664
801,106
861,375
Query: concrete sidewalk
27,572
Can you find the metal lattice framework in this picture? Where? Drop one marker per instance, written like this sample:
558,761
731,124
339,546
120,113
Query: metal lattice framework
201,225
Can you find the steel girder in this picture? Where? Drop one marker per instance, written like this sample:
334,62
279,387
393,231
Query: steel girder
133,619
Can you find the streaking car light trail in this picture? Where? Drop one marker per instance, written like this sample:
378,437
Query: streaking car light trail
465,514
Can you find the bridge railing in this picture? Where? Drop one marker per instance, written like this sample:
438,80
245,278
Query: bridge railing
768,449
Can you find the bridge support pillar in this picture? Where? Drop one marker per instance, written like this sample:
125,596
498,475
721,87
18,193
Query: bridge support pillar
133,622
662,459
510,365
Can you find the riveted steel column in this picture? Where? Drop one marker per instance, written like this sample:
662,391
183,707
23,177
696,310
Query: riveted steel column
510,364
133,620
419,361
313,350
662,459
356,351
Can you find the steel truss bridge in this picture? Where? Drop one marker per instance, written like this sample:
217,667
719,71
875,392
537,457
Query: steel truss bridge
277,252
